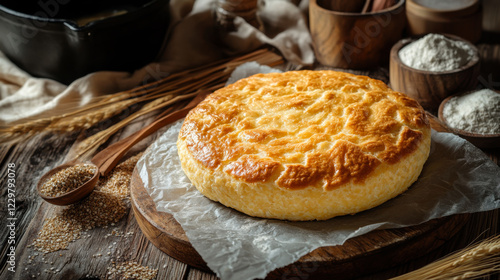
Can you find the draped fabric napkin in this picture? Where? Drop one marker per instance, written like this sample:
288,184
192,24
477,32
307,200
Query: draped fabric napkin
191,41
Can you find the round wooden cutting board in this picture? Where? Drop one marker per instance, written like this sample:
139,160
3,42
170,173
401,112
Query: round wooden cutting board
358,256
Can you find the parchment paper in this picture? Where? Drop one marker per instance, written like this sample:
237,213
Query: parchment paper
457,178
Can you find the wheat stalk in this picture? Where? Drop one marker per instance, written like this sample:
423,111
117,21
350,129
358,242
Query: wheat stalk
87,120
190,80
472,262
79,119
90,144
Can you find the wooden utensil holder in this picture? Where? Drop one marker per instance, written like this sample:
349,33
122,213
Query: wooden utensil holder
346,38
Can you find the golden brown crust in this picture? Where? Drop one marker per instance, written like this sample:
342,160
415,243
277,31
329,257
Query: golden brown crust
303,129
359,109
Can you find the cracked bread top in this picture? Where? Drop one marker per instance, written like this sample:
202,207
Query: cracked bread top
304,128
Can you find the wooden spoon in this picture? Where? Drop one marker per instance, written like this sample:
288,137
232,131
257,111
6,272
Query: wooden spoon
367,6
379,5
107,159
372,6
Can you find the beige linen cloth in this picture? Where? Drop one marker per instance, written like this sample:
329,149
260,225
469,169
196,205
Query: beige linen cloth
192,41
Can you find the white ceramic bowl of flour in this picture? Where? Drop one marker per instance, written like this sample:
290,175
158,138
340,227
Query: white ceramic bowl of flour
474,115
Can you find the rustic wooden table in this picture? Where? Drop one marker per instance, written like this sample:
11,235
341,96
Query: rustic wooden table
29,159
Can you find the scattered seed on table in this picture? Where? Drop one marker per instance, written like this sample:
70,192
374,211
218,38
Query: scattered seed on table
132,270
107,204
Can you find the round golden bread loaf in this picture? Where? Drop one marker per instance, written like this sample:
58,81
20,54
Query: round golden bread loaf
304,145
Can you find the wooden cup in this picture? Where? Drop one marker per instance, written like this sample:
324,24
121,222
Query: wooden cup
427,87
346,38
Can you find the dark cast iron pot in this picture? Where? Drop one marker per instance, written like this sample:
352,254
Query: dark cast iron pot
67,39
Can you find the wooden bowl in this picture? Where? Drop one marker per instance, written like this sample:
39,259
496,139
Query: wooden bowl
71,196
464,20
344,37
427,87
477,139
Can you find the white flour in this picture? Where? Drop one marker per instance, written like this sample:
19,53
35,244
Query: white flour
435,52
477,112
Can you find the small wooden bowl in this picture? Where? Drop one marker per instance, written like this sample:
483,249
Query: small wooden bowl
477,139
427,87
69,197
344,37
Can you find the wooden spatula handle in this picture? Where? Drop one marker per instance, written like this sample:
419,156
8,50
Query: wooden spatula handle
108,158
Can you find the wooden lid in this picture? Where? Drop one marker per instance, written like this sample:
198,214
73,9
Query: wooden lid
445,8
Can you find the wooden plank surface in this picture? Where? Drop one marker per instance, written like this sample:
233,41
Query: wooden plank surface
37,155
